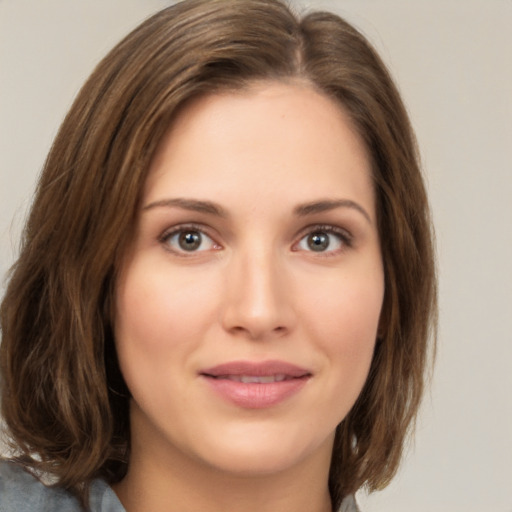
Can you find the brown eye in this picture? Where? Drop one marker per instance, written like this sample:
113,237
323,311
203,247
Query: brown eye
189,240
324,239
318,241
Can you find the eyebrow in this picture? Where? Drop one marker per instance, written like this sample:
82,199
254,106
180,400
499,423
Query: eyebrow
194,205
330,204
301,210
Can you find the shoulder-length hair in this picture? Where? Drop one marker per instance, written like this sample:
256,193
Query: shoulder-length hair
63,398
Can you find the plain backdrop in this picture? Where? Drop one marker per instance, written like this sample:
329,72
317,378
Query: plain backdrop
452,60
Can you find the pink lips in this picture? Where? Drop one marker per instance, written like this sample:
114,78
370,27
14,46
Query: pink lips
256,385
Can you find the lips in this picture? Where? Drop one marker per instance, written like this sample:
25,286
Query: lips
254,379
254,385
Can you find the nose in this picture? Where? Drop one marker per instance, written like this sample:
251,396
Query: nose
258,300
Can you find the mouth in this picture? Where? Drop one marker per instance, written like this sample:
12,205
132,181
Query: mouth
256,385
249,372
253,379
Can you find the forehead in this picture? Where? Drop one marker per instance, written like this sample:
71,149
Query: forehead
290,136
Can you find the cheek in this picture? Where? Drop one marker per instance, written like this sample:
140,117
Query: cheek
161,319
159,309
345,320
349,308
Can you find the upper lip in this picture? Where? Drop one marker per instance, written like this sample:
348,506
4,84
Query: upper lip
256,369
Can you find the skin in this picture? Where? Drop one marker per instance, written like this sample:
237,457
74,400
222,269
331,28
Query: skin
253,290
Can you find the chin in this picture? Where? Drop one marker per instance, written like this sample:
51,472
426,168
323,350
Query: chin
254,452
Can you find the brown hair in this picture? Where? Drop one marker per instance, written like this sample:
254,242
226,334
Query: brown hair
63,398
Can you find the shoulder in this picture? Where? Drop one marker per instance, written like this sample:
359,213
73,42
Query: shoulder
349,505
19,490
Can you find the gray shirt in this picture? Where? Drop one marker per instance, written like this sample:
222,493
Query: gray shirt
21,492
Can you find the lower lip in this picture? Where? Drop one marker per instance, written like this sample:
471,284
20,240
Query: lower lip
256,395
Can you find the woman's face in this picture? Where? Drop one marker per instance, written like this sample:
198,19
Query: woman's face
249,302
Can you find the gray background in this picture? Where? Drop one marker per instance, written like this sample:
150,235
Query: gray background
452,60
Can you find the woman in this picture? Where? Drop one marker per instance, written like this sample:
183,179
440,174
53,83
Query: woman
226,286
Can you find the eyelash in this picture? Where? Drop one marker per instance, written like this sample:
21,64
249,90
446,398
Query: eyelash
345,238
184,228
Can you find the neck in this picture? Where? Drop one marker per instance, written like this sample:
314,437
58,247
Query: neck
218,493
172,481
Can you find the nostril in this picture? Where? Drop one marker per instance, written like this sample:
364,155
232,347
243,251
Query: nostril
258,332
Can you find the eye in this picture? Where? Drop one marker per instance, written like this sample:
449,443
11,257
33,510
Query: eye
188,240
326,239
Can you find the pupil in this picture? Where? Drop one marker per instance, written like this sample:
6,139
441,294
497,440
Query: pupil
190,240
318,241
